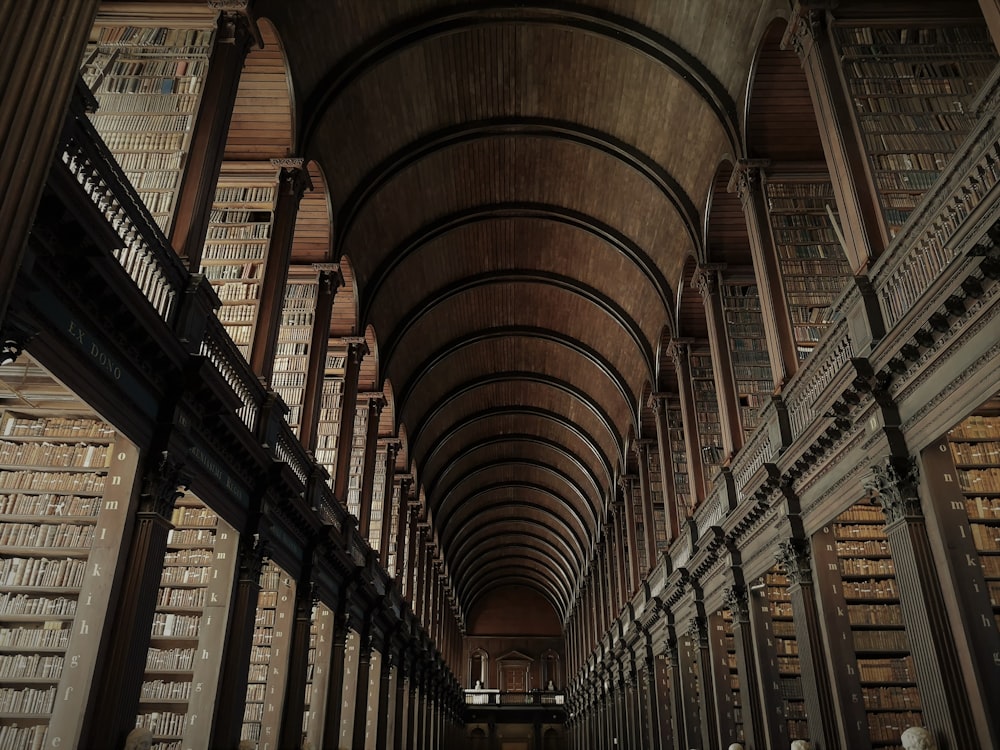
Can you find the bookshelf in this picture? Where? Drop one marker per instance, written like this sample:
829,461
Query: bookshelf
975,450
291,360
691,687
678,456
65,484
148,81
320,651
814,268
394,511
189,627
873,659
635,492
235,253
912,87
377,516
268,658
785,653
657,496
748,348
706,408
727,678
356,469
331,403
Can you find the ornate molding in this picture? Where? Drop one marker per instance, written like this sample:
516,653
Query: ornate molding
803,30
162,483
893,482
735,600
746,178
793,556
698,631
706,279
289,162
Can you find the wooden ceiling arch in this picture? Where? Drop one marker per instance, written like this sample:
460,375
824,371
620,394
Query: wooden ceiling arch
517,193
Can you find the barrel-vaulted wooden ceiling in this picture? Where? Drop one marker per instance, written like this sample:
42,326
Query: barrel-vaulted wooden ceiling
517,186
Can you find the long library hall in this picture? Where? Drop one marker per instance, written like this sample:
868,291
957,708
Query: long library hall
500,375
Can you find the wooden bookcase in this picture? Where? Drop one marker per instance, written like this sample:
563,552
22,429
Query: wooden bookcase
748,348
65,486
189,627
291,360
394,511
975,450
873,658
784,652
657,496
640,527
814,268
235,253
357,465
148,82
320,651
912,86
678,456
269,658
377,516
331,404
727,678
691,687
706,407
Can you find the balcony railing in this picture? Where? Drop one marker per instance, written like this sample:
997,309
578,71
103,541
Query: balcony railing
539,698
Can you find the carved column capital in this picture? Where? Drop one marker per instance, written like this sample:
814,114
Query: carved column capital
162,483
252,553
893,483
794,556
735,599
746,177
678,349
357,348
698,631
706,279
805,25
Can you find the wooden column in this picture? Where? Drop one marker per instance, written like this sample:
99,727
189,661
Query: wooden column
679,351
625,590
356,351
227,721
399,714
961,572
233,38
384,712
709,710
991,12
629,519
648,521
772,718
335,679
944,697
796,558
330,279
114,696
864,233
391,449
411,551
658,403
678,704
293,180
375,403
294,704
651,740
707,280
751,708
361,694
780,337
41,45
